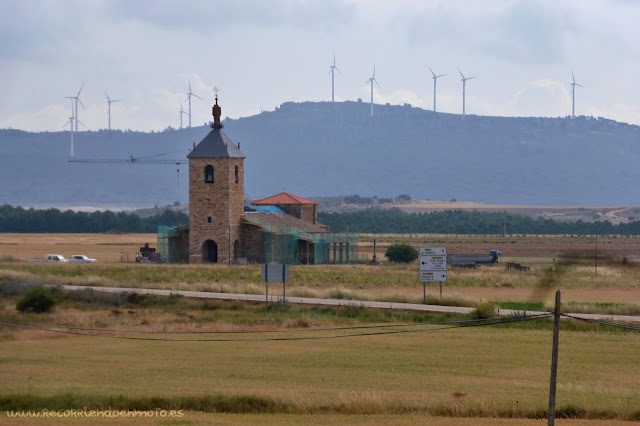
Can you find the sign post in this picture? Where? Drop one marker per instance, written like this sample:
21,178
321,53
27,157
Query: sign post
433,267
275,273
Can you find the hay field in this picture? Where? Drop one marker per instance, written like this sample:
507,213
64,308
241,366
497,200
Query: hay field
104,247
457,373
616,288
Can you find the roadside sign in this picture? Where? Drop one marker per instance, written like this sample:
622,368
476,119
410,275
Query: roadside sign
433,251
433,276
273,273
433,263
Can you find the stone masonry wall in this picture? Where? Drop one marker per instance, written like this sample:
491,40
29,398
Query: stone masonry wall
222,201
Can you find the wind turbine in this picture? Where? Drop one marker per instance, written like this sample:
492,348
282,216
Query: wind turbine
435,79
573,95
464,85
181,112
70,123
77,99
332,70
109,101
189,95
371,80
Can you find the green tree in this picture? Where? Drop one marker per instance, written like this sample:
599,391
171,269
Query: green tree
401,252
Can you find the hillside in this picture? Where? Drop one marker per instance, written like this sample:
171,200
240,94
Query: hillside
318,149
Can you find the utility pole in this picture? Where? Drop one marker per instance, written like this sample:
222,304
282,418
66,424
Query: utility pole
374,251
596,259
554,362
504,226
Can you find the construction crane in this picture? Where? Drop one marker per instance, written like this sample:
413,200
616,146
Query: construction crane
150,159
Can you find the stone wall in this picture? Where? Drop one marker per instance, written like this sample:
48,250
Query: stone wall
215,209
305,212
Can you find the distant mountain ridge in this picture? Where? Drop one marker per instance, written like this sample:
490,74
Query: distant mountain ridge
318,148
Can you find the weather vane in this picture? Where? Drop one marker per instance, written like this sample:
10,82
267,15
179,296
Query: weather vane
216,90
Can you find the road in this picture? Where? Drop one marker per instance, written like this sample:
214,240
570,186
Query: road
335,302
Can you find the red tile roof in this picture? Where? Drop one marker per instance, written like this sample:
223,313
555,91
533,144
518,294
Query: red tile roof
282,198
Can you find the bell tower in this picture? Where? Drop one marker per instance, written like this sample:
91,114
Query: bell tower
216,197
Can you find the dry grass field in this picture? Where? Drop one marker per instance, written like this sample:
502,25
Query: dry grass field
492,371
484,375
615,289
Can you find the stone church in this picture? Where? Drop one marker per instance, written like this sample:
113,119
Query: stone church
282,228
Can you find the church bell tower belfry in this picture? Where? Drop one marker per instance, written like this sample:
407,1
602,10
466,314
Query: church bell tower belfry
216,197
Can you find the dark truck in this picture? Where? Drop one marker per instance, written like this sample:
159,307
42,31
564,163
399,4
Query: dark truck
473,260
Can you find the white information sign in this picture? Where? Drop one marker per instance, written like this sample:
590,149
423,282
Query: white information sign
432,251
433,276
433,264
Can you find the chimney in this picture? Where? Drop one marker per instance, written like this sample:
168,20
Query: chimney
217,112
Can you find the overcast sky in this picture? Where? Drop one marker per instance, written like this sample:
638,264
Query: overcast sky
263,53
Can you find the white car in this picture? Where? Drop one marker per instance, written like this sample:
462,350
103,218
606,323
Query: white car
55,258
81,258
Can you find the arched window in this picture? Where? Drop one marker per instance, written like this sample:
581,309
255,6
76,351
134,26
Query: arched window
208,174
236,174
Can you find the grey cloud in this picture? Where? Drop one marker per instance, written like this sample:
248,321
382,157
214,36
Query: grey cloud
530,33
202,14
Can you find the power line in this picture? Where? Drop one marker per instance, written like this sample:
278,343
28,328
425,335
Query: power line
254,332
378,333
612,324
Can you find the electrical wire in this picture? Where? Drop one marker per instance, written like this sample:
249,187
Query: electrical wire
613,324
378,333
355,327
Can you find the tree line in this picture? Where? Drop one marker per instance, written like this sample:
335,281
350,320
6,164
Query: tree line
371,221
395,221
18,219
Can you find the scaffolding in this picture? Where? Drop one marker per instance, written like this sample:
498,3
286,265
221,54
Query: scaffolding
173,244
264,243
336,248
294,246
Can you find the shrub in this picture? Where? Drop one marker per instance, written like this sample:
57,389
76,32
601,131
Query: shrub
36,299
484,310
401,252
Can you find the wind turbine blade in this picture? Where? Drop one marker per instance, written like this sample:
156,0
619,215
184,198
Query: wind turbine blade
108,100
81,123
334,59
434,74
80,89
579,85
189,86
374,71
81,104
441,75
116,100
338,71
470,78
461,73
377,83
572,76
196,96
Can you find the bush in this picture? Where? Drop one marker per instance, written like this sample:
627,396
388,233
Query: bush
36,299
402,252
486,310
